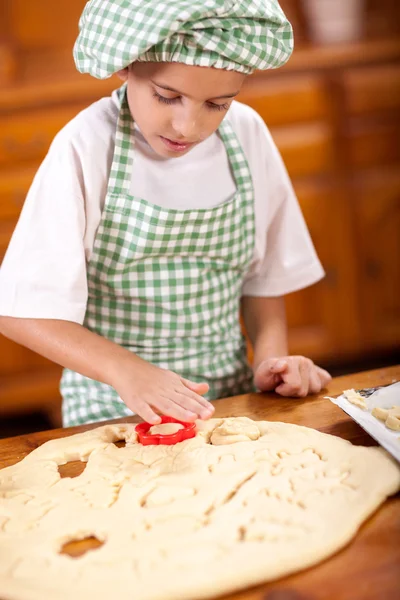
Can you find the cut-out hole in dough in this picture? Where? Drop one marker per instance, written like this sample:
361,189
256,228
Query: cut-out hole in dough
77,548
72,469
120,444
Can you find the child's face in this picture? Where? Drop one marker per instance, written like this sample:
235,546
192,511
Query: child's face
177,106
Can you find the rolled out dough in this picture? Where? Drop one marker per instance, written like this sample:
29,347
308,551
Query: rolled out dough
189,521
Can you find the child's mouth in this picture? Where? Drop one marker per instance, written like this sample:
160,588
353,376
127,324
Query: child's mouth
176,146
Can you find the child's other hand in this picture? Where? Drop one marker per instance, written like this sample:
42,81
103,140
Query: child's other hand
147,390
291,376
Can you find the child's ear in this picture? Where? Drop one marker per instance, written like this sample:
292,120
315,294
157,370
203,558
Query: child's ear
123,74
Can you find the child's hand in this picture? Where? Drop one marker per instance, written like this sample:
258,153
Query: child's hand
291,376
144,387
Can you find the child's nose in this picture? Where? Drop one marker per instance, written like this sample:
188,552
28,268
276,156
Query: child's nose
186,126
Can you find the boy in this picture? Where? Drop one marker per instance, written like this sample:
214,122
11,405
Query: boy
157,214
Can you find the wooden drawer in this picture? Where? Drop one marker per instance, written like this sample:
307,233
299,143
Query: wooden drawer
306,149
373,143
286,100
27,136
372,89
14,186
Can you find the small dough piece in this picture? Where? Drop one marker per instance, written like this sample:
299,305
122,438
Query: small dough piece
380,413
390,416
165,428
393,422
235,429
355,398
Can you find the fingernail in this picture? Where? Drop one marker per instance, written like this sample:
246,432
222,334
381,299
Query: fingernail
206,413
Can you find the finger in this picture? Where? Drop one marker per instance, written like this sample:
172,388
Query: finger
146,412
292,381
285,390
202,406
315,382
266,382
170,408
278,365
192,404
199,389
304,370
264,378
324,376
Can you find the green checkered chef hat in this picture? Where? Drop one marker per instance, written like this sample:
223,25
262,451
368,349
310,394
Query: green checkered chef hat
239,35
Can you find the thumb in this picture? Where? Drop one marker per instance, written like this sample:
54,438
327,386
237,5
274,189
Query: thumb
198,388
266,376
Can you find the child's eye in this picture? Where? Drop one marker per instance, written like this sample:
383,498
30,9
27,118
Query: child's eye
213,106
210,105
165,100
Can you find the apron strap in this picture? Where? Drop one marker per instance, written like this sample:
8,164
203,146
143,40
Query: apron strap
237,159
119,181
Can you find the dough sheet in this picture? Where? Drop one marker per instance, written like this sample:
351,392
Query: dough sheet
242,503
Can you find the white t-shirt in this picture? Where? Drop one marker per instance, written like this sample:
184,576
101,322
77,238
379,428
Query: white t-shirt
43,274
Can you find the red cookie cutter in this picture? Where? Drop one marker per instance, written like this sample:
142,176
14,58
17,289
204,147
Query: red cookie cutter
147,439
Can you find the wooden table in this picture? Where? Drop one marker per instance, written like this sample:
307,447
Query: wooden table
369,567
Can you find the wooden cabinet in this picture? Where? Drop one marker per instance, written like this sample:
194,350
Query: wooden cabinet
287,100
377,228
306,149
337,129
374,142
372,89
323,318
334,114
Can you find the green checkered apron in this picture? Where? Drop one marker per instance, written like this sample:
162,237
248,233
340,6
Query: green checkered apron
166,284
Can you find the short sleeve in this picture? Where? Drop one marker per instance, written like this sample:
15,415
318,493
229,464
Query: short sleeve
285,259
43,274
